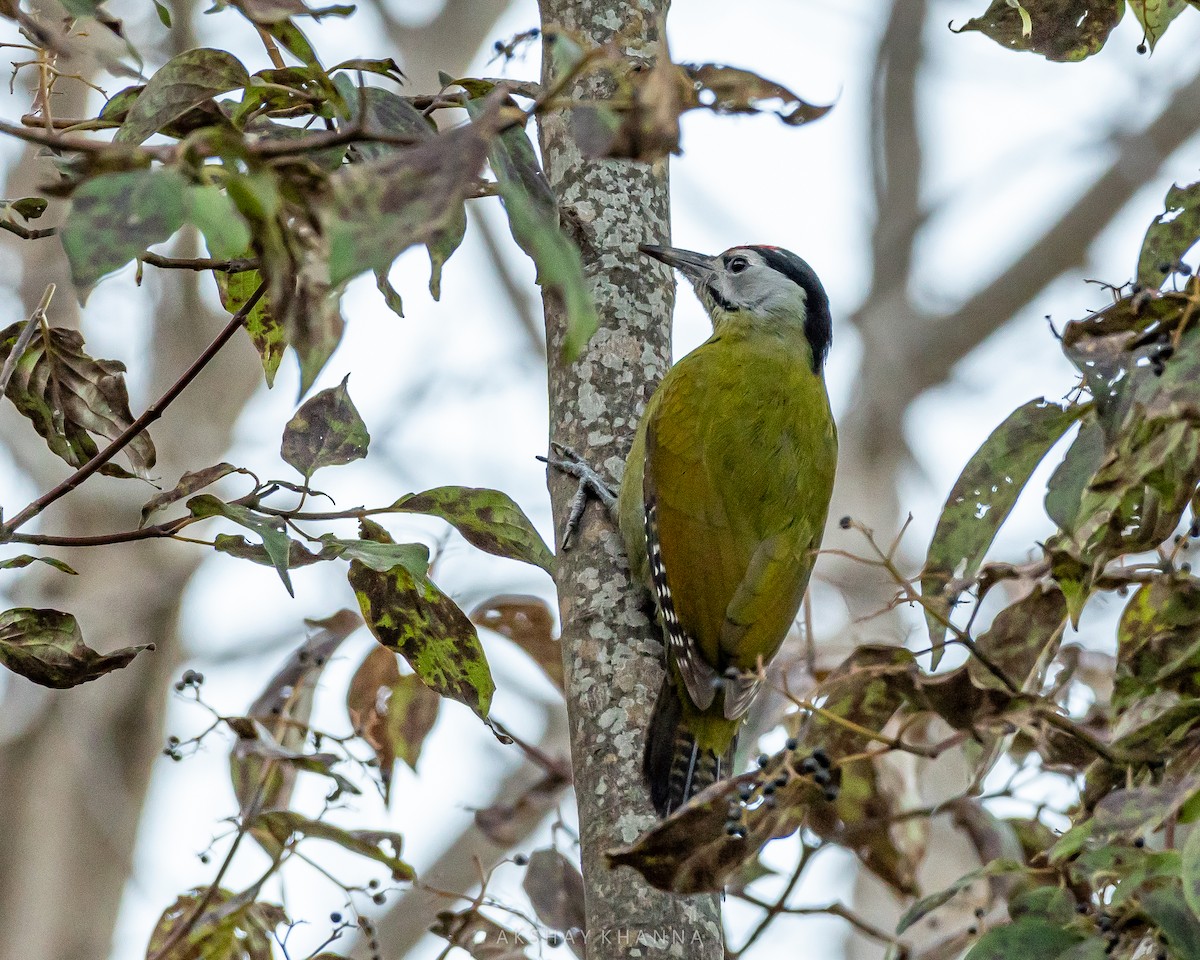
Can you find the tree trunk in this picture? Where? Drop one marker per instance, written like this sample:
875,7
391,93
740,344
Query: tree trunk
611,652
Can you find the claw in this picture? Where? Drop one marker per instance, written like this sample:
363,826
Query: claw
591,484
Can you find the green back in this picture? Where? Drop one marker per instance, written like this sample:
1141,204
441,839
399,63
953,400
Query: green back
738,449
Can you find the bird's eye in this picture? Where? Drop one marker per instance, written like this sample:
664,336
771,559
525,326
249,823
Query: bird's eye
738,264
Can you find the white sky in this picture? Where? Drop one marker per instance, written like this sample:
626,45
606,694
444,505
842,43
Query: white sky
1010,140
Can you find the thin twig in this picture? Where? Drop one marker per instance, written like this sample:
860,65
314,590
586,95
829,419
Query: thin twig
778,907
72,143
27,233
31,327
235,265
185,926
153,412
833,910
168,529
272,47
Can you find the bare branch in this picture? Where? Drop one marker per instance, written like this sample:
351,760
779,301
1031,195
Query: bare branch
32,325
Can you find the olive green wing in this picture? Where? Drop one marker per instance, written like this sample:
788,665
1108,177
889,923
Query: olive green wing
696,560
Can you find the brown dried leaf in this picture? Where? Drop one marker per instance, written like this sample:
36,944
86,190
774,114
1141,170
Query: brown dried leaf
392,713
480,936
69,396
505,824
283,709
554,886
188,484
529,623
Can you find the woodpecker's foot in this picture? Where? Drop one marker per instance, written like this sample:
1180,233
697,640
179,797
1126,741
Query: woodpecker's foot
591,484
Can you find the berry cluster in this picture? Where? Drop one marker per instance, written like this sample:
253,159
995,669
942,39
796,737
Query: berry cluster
763,788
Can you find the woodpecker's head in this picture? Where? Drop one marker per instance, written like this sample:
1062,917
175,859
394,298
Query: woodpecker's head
769,285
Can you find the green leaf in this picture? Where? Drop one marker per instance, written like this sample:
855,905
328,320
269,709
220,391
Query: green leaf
384,111
380,846
409,614
1171,234
1064,490
116,216
46,646
382,207
981,500
314,328
487,519
27,208
293,40
1140,811
1094,948
1191,871
24,560
217,217
326,431
233,927
921,908
270,529
442,246
183,82
1071,842
264,329
69,397
188,484
238,546
1055,904
164,14
533,220
1158,641
1155,16
391,296
1061,30
1029,938
380,556
1021,641
385,68
1168,909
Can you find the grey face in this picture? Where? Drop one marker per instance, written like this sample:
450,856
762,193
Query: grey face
738,280
772,288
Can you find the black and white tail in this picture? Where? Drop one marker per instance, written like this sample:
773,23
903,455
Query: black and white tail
675,767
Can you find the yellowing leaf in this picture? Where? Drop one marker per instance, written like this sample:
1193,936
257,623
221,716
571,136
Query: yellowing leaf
326,431
487,519
409,614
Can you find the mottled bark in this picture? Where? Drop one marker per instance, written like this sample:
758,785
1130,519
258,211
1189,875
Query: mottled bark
611,651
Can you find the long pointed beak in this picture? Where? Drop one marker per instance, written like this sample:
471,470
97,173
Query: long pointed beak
692,265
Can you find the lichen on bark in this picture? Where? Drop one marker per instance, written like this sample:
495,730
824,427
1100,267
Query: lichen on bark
611,650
